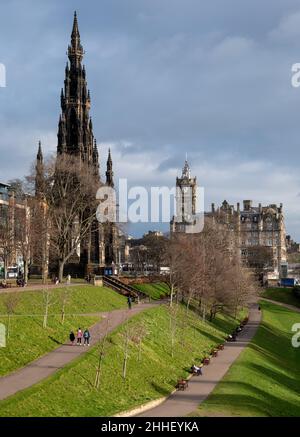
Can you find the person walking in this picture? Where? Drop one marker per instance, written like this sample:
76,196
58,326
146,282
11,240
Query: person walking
86,337
129,302
69,279
79,337
72,337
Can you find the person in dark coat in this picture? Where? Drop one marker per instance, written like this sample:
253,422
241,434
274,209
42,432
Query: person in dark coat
86,337
72,337
129,302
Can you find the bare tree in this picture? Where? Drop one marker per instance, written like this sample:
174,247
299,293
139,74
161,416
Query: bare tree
49,300
70,197
102,348
11,303
138,338
65,298
173,324
128,335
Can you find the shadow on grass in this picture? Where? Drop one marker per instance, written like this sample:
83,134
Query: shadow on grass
55,340
161,390
263,403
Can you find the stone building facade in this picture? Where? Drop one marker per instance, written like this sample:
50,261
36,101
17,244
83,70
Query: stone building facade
13,210
260,231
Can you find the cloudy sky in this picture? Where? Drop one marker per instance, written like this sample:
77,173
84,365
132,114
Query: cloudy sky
210,78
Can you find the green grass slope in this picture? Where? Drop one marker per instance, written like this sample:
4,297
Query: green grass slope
265,380
28,339
154,290
70,392
284,295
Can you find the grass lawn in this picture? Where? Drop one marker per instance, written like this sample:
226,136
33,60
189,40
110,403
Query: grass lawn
70,392
154,290
284,295
28,340
265,380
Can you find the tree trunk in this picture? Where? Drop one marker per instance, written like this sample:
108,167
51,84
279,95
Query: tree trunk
188,304
98,372
5,268
25,264
8,327
140,350
125,358
204,312
63,314
61,270
46,314
125,365
172,292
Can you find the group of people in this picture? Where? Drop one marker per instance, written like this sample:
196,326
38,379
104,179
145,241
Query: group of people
83,337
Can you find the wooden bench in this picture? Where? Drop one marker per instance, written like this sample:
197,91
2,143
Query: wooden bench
214,353
182,384
8,285
220,347
206,361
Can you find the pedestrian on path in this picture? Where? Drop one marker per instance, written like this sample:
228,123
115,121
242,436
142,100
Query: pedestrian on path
129,302
86,337
69,279
79,337
72,337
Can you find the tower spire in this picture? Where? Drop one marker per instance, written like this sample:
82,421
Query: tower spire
75,30
39,172
109,171
186,172
39,155
75,50
75,129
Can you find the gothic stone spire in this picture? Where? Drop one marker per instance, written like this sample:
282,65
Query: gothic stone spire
109,171
75,129
39,172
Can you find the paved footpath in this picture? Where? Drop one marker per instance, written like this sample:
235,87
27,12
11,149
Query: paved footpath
182,403
55,360
39,287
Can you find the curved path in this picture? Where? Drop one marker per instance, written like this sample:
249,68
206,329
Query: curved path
282,304
51,362
182,403
39,287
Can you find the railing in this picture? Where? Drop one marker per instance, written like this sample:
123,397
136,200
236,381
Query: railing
122,288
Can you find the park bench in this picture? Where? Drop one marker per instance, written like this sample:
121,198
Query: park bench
214,353
206,361
220,347
182,384
8,285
